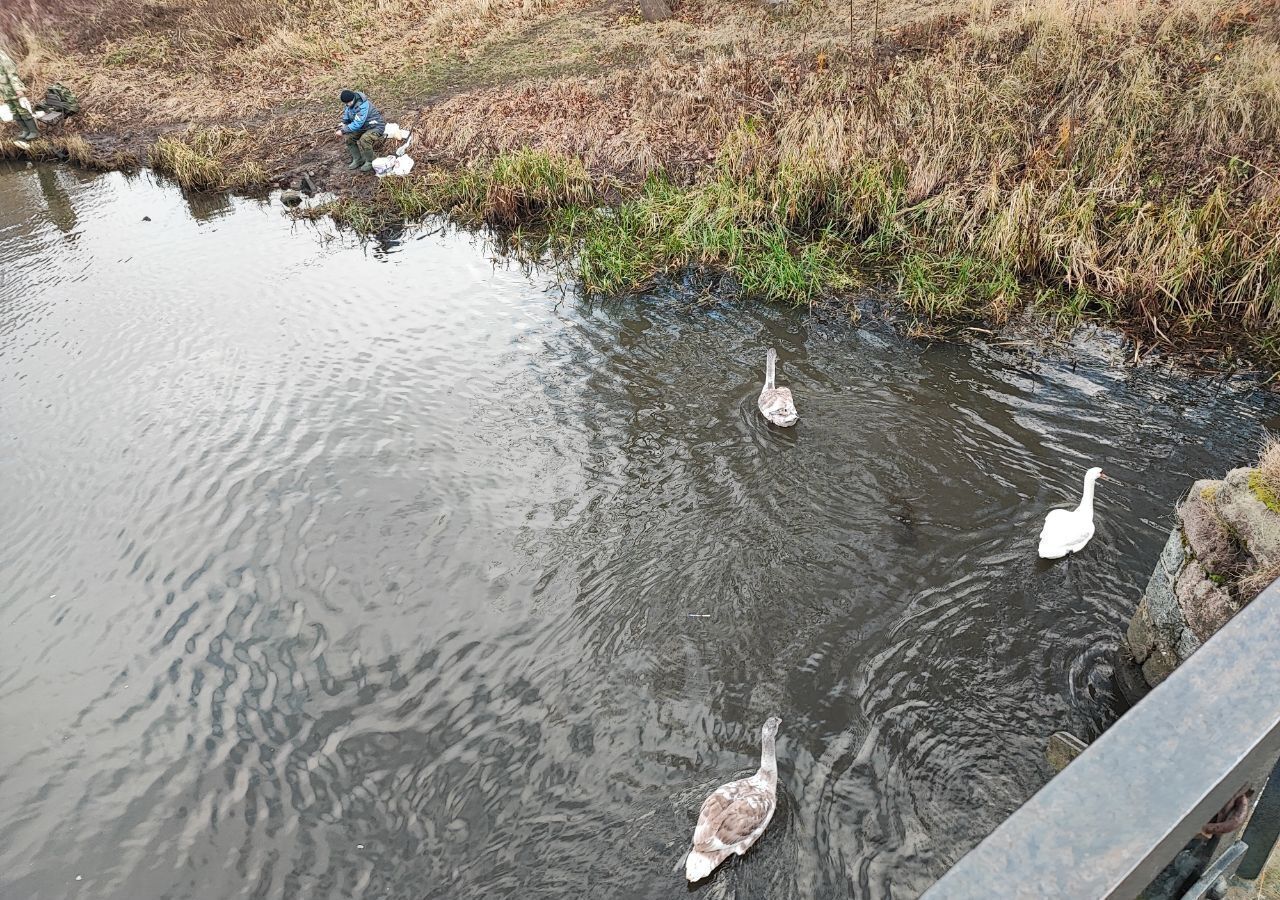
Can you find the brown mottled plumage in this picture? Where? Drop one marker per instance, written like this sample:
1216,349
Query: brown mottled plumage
775,403
737,813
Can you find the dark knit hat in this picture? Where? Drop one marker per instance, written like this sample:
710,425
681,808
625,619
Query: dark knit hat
347,96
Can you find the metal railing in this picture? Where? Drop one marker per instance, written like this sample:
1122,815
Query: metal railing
1118,815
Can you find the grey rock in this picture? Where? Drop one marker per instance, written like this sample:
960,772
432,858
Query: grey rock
1162,604
1257,526
1159,666
1206,606
1129,678
1141,636
1225,531
291,198
1188,643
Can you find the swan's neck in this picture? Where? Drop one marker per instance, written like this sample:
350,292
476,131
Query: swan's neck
769,760
1086,500
769,366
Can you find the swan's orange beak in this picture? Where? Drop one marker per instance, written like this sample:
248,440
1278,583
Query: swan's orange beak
1105,477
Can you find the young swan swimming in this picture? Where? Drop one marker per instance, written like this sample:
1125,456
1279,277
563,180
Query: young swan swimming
734,817
1068,530
775,403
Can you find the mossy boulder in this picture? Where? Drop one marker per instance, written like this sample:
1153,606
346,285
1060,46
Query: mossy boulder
1263,490
1224,549
1158,631
1188,643
1248,517
1129,677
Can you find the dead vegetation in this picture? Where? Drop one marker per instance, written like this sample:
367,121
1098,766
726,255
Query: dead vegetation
1113,158
209,159
72,148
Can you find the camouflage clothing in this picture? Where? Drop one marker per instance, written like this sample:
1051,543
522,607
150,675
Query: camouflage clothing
58,98
11,86
364,142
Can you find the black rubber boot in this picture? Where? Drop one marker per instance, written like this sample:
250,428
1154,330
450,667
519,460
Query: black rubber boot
29,130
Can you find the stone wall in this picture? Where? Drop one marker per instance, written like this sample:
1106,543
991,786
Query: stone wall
1223,550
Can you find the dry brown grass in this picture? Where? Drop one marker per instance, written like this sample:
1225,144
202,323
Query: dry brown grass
80,153
1264,482
1253,584
209,159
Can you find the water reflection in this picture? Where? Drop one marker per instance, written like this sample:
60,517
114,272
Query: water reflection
208,207
333,573
57,203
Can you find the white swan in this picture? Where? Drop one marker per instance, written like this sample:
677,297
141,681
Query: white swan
775,403
1068,530
734,817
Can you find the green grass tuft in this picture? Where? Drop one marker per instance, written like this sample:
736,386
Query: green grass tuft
1262,489
958,287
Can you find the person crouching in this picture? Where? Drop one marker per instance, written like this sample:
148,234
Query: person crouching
362,124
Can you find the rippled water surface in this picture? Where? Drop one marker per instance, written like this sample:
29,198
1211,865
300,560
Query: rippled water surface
332,571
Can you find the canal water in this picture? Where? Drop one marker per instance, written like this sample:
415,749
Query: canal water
330,570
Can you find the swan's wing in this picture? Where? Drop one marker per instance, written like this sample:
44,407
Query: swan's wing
785,400
1065,531
1059,524
713,808
731,815
777,402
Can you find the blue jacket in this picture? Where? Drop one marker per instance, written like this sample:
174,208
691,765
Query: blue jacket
362,115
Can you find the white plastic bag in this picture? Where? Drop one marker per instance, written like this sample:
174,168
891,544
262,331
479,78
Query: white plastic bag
398,163
392,165
25,104
6,114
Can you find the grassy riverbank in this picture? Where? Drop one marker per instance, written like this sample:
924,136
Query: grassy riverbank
1115,160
